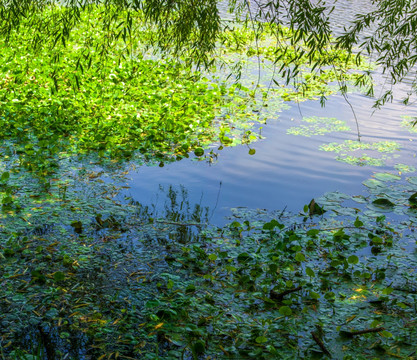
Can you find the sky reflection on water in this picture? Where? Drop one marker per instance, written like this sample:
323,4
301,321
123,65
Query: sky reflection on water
287,171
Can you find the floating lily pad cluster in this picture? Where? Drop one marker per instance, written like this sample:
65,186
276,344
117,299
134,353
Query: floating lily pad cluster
344,149
318,126
376,152
404,168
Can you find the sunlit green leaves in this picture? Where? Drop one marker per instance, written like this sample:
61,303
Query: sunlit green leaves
117,106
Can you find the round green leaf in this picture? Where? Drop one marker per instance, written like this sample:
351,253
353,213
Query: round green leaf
244,257
300,257
261,339
5,176
358,223
314,295
59,276
199,151
383,203
387,176
310,272
353,259
285,310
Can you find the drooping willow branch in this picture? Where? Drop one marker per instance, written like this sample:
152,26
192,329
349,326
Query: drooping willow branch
190,29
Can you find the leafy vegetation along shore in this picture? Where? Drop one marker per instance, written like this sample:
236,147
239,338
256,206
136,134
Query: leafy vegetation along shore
87,274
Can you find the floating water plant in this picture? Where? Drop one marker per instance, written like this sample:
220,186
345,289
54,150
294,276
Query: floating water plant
404,168
318,126
384,147
83,269
409,123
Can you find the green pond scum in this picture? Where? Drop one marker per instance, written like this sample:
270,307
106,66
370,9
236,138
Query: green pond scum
88,274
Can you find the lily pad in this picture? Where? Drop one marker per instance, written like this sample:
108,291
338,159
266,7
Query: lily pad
365,159
383,203
403,168
359,199
387,177
413,200
412,180
373,183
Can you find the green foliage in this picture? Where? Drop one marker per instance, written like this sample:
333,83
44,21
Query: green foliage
70,97
192,30
114,106
84,273
301,77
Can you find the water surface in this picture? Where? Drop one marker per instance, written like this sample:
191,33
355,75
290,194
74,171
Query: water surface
287,171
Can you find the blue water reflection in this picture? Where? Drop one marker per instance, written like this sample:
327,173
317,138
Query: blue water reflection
287,171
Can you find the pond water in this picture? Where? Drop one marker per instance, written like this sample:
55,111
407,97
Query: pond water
286,171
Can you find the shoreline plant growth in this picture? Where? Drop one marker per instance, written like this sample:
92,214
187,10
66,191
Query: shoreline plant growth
90,275
81,98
